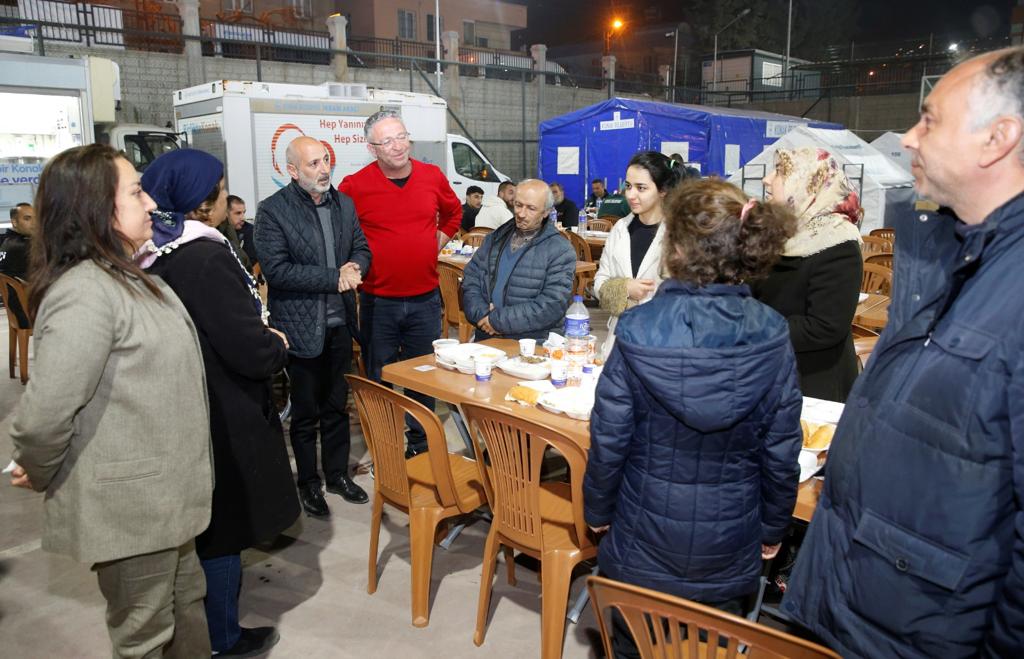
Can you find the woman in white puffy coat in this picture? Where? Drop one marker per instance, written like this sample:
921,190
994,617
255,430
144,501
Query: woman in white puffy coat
630,270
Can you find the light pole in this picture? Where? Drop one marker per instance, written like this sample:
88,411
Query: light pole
675,62
615,26
789,35
714,64
437,43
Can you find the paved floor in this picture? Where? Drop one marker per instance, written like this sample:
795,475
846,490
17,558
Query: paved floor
311,584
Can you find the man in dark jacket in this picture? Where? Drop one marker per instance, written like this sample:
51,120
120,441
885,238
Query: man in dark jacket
474,198
568,213
917,545
517,285
313,254
14,251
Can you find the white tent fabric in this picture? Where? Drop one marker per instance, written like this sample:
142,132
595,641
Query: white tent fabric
883,185
889,145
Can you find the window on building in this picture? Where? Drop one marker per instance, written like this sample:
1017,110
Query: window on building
771,74
468,163
482,42
469,33
406,24
430,27
302,8
243,6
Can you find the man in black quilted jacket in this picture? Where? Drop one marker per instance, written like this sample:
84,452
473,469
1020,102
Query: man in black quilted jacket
313,254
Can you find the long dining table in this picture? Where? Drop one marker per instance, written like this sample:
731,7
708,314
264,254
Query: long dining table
423,375
461,261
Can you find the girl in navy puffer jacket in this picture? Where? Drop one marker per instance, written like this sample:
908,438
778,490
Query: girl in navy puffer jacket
696,430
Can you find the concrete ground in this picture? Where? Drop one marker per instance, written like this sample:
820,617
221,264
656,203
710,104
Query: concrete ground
311,584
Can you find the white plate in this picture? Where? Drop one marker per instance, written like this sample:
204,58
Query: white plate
597,234
861,297
461,357
519,369
574,402
808,465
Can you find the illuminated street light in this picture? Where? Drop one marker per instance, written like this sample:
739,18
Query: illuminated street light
616,25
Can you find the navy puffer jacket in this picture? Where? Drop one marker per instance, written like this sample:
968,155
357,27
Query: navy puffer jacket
538,290
694,442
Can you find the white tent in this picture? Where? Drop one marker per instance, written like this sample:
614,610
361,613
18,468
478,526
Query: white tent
889,145
882,184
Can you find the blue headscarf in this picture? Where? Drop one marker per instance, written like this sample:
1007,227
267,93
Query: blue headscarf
179,181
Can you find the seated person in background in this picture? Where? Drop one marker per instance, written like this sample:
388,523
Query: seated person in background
598,192
613,205
474,197
14,251
695,431
243,230
568,213
495,211
517,284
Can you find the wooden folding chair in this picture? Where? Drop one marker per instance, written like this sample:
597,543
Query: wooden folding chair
15,296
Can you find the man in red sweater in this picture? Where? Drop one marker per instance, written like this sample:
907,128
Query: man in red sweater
408,212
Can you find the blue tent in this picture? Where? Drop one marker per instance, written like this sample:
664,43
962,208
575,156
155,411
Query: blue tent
598,141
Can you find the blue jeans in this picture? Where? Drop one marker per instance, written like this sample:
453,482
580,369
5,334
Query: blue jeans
223,581
397,328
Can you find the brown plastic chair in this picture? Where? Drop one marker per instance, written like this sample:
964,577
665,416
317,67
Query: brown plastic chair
864,346
600,224
875,245
885,234
581,281
450,277
879,259
541,519
876,279
429,487
656,619
12,288
475,236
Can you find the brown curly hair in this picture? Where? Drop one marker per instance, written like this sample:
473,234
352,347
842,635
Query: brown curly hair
707,243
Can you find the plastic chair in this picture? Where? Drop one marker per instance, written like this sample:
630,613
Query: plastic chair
429,487
12,288
879,259
656,620
541,519
450,277
875,245
475,236
885,234
581,281
876,279
600,224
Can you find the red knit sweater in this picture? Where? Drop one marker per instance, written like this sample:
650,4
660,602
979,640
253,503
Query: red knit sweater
401,226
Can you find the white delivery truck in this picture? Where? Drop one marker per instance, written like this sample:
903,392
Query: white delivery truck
248,125
50,104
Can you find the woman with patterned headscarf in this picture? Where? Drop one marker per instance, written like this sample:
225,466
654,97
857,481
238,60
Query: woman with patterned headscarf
816,282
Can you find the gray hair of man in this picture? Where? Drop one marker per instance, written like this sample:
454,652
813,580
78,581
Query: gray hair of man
998,90
549,198
378,117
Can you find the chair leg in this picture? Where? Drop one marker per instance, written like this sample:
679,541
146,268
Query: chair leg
11,358
510,565
486,579
422,529
554,591
581,602
23,355
378,511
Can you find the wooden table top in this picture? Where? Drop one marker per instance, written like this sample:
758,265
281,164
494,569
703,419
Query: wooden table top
461,261
456,388
873,312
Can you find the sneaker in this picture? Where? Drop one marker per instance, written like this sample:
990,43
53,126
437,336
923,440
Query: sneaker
252,642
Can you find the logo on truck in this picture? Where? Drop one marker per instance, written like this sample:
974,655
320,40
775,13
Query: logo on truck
281,176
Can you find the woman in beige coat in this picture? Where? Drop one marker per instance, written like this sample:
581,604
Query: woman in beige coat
113,426
630,269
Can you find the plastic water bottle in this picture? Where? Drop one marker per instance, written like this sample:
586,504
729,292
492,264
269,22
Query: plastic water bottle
577,342
553,216
581,227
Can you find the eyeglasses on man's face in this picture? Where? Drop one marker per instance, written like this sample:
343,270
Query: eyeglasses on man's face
401,138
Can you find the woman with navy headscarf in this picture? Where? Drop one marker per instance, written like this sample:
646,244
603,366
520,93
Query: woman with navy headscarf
254,497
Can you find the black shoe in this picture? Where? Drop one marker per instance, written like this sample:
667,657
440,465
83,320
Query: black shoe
348,490
313,502
252,642
412,451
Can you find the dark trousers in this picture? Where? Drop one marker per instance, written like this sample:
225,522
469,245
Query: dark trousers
624,647
319,394
223,581
400,328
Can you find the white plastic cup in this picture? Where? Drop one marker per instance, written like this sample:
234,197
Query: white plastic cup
483,369
559,372
527,347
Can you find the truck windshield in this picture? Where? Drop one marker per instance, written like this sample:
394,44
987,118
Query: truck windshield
143,148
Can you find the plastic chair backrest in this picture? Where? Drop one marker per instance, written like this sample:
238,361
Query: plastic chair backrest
885,234
382,417
657,620
876,245
475,236
600,224
581,246
876,279
880,259
9,285
515,450
450,277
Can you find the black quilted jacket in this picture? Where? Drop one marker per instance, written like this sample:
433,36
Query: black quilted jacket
294,261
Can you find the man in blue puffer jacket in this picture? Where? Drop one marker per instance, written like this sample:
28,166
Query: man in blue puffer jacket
917,547
517,285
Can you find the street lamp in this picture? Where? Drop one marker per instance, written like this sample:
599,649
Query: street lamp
675,59
616,25
714,64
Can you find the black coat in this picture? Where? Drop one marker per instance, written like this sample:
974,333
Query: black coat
293,258
817,294
254,495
